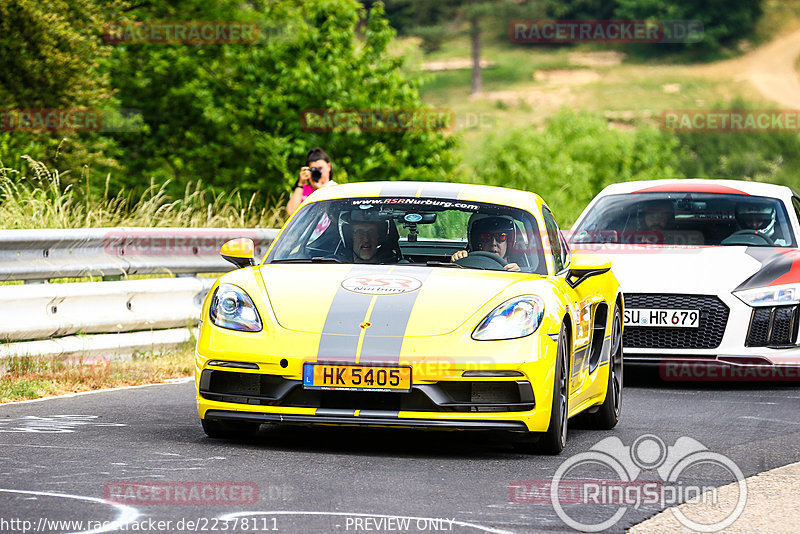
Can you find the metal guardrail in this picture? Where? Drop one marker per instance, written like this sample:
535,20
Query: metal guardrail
36,255
112,317
51,310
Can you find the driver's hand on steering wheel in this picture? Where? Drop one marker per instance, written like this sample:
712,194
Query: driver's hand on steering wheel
463,254
458,255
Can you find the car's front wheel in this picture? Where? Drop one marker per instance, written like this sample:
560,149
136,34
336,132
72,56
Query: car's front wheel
229,429
607,416
555,439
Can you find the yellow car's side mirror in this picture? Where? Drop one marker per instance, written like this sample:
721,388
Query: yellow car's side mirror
584,265
239,252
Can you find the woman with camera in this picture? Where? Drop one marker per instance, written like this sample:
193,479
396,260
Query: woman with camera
316,174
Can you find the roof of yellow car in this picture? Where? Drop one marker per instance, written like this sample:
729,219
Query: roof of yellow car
447,190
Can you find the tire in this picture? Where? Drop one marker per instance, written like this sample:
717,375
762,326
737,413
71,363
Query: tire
607,416
229,429
554,440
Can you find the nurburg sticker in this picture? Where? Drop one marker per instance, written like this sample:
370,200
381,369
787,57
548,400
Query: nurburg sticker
382,284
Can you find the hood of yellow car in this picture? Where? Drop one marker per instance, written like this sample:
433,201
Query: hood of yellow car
383,300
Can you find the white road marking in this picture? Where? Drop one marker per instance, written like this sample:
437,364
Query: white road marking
51,424
490,530
38,446
770,420
126,513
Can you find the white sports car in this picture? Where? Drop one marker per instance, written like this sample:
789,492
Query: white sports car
710,270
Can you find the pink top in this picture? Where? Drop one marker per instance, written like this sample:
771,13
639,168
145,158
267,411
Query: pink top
325,221
307,189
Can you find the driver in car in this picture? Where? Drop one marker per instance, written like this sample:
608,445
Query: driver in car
490,234
756,216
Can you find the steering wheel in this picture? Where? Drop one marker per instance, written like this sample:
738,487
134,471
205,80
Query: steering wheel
749,232
483,260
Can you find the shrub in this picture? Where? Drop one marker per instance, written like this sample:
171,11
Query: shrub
574,157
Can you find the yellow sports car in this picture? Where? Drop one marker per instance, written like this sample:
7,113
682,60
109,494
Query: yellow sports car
419,305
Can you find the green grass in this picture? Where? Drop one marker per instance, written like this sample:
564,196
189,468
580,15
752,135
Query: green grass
508,67
21,389
39,200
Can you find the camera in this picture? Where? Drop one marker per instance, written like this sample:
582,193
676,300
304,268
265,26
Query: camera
316,174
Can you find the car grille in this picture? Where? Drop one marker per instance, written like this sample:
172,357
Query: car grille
461,396
775,326
713,318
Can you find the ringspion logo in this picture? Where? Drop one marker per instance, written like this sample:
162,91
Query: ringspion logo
611,477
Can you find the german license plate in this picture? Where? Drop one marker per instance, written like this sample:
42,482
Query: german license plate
662,318
356,377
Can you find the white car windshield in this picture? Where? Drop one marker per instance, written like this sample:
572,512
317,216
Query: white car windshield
686,219
416,231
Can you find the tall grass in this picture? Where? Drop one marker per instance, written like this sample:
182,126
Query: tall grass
40,200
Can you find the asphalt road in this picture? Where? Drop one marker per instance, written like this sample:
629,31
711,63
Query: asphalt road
60,458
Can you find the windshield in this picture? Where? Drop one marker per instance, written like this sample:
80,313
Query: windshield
686,219
416,231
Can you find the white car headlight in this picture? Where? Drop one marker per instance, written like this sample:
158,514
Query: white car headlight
518,317
231,307
770,296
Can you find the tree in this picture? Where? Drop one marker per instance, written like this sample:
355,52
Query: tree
231,114
53,57
724,21
432,19
574,157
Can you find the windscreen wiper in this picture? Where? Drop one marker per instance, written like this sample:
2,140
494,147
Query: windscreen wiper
315,259
444,264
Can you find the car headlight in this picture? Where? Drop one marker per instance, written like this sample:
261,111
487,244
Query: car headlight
231,307
518,317
770,296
